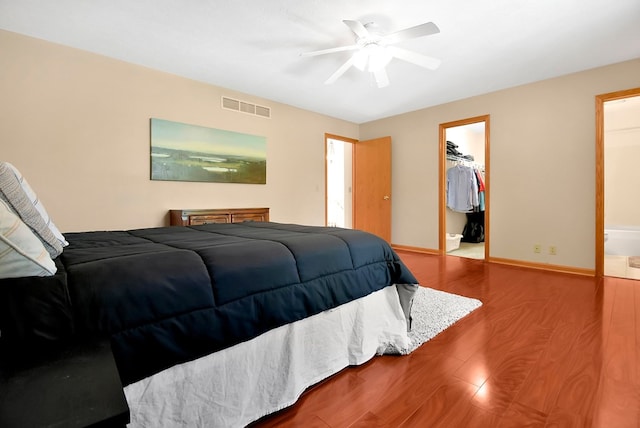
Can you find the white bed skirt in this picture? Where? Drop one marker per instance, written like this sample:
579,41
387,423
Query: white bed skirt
241,384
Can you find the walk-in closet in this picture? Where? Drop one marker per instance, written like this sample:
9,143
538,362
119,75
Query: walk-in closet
465,190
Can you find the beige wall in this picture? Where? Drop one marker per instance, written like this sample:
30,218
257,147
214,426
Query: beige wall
77,126
542,176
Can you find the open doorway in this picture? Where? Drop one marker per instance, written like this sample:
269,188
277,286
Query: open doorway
464,188
338,185
618,212
358,184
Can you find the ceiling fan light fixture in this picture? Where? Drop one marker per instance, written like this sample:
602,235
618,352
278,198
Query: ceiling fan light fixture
379,57
374,51
360,60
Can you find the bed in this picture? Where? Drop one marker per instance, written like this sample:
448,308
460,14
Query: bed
218,324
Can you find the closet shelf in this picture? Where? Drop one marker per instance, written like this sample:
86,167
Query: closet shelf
458,158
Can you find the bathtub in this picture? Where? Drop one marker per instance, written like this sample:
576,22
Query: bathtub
622,241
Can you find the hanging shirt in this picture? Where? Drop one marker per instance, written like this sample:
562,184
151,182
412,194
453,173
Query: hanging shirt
481,189
480,180
462,188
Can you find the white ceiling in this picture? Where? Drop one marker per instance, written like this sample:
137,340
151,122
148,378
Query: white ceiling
254,46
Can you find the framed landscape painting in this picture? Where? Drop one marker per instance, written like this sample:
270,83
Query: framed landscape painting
182,152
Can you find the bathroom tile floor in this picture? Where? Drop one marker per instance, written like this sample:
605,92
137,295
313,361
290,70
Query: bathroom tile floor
469,250
618,266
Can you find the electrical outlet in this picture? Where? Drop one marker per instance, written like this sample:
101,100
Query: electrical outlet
553,250
537,248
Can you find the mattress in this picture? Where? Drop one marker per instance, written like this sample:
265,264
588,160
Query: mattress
240,384
169,295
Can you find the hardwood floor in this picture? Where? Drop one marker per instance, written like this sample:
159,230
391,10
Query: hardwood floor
545,350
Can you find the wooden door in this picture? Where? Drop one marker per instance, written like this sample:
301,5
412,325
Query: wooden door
372,187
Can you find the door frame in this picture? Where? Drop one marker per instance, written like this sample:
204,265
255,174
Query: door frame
442,224
328,137
600,100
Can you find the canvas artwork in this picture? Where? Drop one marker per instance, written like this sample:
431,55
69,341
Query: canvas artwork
182,152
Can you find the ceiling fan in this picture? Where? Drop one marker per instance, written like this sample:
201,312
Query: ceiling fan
374,51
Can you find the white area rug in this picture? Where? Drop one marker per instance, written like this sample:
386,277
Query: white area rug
434,311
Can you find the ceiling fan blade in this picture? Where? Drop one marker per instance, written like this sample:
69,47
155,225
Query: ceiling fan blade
414,58
330,50
358,28
382,79
340,71
421,30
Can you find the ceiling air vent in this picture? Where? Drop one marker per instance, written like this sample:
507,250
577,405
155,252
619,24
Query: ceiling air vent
245,107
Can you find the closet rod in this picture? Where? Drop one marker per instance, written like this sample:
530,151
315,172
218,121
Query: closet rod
454,158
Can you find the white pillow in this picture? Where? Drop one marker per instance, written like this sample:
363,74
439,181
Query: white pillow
38,204
11,192
21,252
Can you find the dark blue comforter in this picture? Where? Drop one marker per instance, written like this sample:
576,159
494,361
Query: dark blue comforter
172,294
